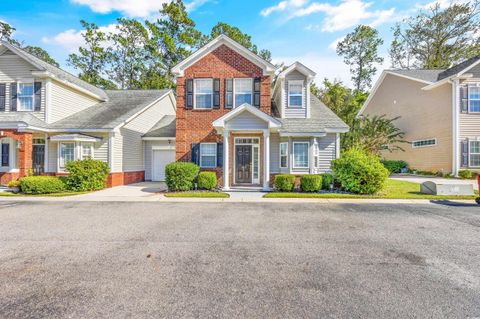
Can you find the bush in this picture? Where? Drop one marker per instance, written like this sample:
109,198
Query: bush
466,174
394,167
285,182
86,175
359,172
327,180
41,185
14,184
180,176
207,180
311,183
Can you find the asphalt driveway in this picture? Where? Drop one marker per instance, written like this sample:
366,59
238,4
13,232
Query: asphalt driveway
238,260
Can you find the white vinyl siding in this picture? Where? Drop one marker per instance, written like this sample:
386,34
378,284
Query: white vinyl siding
295,112
65,101
274,153
326,153
246,121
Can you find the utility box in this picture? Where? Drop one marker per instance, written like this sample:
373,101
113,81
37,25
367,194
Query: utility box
443,188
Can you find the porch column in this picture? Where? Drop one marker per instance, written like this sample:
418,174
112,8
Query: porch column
226,183
266,158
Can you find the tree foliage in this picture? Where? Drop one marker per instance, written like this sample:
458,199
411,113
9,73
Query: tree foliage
437,38
359,50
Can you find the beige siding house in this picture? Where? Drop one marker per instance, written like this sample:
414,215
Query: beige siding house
439,112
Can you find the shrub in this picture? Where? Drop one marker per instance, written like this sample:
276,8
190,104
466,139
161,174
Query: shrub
311,183
359,172
207,180
285,182
14,184
327,180
394,167
86,175
41,185
180,176
465,174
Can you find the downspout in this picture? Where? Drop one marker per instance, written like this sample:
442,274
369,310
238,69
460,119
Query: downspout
455,127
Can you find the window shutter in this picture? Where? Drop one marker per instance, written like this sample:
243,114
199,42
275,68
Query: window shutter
464,159
216,93
256,91
219,154
228,93
464,99
13,96
5,154
189,93
38,96
2,96
196,153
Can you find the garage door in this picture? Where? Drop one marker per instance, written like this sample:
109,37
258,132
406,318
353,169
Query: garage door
160,159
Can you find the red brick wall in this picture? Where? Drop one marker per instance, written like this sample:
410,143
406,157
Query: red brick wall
24,154
195,126
125,178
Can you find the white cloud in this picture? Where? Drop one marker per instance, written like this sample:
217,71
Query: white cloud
132,8
333,45
442,3
282,6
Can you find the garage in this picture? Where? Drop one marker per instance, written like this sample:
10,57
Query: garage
160,159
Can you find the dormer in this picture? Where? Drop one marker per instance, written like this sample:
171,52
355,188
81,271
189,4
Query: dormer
292,91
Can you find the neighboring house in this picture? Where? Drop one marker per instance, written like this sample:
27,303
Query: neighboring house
440,115
229,119
49,117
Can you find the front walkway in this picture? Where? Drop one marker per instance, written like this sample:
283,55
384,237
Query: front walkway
422,179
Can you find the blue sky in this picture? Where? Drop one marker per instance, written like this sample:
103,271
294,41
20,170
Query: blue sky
303,30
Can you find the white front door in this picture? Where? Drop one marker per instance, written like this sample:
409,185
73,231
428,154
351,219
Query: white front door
160,159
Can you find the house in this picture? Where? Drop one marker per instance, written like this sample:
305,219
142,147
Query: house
48,117
440,115
231,121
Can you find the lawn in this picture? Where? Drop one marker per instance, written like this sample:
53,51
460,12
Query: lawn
198,194
394,190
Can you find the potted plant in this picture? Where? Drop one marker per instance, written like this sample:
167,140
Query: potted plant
14,186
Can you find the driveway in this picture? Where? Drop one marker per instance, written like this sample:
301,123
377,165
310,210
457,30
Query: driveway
145,191
238,260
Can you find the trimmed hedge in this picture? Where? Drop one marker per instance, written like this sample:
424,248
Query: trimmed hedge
41,185
86,175
207,180
180,176
327,180
394,167
465,174
285,182
311,183
359,172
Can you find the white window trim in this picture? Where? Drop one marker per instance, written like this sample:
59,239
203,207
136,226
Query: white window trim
200,154
77,152
308,155
195,94
234,91
423,146
81,145
301,82
280,155
19,105
470,152
468,95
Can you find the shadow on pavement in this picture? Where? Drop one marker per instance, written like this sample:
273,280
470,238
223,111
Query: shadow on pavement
454,204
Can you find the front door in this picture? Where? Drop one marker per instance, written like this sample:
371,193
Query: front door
243,164
38,159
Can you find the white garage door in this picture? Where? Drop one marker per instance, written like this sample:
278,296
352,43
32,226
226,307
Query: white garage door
160,159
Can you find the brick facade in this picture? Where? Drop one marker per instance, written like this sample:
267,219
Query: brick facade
24,155
195,126
125,178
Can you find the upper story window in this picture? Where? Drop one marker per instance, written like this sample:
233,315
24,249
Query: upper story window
474,99
203,93
295,93
243,90
25,95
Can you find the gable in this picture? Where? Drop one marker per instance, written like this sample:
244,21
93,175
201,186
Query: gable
475,71
245,121
13,67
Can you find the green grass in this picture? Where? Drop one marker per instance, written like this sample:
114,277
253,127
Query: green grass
394,189
62,194
198,194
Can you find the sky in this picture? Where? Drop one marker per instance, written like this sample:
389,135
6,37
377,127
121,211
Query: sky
293,30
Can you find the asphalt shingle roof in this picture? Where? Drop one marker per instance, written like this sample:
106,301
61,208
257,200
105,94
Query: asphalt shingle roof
166,127
421,74
321,118
122,104
457,68
24,117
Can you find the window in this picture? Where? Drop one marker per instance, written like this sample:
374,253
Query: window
243,91
300,154
67,153
284,155
424,143
25,96
474,99
203,93
474,154
208,155
86,150
5,154
295,93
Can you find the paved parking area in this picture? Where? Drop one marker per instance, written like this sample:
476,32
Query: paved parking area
145,191
238,260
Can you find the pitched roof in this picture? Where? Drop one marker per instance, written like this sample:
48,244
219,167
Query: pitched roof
23,117
458,68
122,105
166,127
420,74
321,120
57,72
